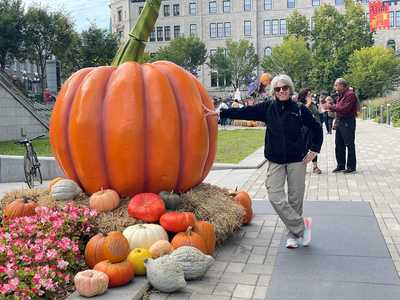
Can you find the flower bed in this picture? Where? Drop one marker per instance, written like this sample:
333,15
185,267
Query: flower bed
40,254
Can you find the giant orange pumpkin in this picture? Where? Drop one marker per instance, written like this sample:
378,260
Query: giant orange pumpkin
134,128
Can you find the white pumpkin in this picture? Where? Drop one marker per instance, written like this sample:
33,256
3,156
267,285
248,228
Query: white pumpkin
194,263
165,274
144,235
65,189
91,283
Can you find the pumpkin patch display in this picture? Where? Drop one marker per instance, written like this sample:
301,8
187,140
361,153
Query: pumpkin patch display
172,201
189,238
104,200
144,235
19,208
117,126
137,257
244,199
119,273
91,283
160,248
65,189
147,207
207,231
177,221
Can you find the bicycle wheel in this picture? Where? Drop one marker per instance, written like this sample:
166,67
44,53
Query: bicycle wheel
36,165
28,170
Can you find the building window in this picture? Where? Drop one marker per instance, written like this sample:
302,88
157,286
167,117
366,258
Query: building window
339,2
140,9
392,19
226,7
267,51
192,8
177,31
176,9
214,79
159,33
397,18
213,30
227,29
247,28
212,7
119,15
153,35
167,12
283,27
247,5
267,4
275,27
267,27
316,2
193,29
167,33
291,3
220,30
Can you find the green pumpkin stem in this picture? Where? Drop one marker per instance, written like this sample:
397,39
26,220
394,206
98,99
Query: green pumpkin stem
133,48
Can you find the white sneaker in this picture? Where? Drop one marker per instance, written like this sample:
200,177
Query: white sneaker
291,243
307,232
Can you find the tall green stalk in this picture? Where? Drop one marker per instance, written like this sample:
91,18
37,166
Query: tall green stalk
133,48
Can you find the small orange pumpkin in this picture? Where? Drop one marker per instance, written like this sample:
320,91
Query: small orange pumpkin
175,221
118,273
244,199
189,238
104,200
207,231
20,208
113,246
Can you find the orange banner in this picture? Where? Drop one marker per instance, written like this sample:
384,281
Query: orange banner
379,15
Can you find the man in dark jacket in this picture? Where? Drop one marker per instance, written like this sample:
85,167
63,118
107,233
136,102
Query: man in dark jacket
286,152
346,112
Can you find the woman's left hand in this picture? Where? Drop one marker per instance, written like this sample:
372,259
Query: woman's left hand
309,157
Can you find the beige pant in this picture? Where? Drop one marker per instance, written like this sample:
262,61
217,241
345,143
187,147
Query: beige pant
289,209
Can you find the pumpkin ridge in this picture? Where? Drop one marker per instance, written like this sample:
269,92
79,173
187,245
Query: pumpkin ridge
78,76
145,136
181,130
103,147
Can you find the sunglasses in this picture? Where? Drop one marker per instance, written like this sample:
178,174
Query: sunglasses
283,88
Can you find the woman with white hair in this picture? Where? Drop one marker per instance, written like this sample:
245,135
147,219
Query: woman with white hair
286,152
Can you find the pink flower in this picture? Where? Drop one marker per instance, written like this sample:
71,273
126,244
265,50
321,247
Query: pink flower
13,284
39,257
51,254
62,264
36,279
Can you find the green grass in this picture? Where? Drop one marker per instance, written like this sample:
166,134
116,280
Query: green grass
233,145
42,148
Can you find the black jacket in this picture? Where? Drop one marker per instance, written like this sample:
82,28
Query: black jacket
284,138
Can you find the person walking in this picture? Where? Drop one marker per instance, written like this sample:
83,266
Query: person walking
286,152
305,97
346,111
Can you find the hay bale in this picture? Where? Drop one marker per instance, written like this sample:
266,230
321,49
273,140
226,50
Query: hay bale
213,204
209,203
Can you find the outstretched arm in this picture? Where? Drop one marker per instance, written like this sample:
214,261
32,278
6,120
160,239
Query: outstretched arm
253,112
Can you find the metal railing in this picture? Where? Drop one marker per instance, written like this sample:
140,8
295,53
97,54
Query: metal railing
39,111
382,114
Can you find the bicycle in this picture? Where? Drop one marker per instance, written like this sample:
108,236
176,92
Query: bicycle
31,162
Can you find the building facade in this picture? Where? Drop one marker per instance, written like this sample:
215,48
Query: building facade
262,22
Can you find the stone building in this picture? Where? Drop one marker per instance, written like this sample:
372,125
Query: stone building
262,22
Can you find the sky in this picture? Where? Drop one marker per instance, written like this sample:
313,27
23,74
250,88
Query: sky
82,12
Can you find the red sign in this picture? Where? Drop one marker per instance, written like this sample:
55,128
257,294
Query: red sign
379,15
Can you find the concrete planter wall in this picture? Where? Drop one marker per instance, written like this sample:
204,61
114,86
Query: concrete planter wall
12,168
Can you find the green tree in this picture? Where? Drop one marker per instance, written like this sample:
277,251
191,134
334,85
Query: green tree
238,61
298,25
327,36
11,24
293,58
373,71
46,34
188,52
